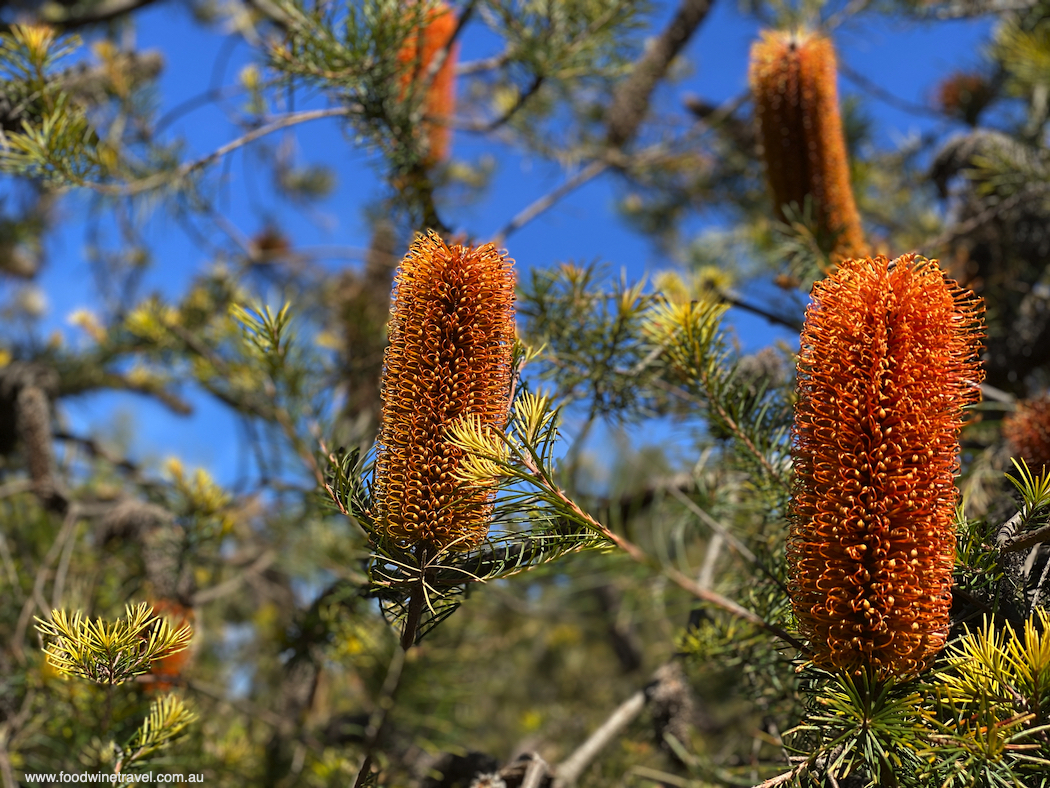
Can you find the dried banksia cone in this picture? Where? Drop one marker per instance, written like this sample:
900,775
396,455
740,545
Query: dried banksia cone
792,79
1027,430
451,334
965,95
418,52
888,360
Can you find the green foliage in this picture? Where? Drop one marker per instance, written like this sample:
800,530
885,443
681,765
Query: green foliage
866,727
601,563
977,568
591,336
266,333
57,142
993,698
565,41
533,522
744,407
110,652
1034,490
168,719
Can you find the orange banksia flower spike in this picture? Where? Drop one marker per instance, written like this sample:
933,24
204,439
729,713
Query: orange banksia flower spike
172,666
1027,430
792,77
451,335
888,360
418,52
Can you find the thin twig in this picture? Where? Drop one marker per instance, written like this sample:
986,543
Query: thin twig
97,450
379,716
780,779
158,180
569,771
735,300
592,170
15,487
885,96
968,9
731,424
714,525
59,586
672,574
487,127
535,773
484,64
1027,540
36,598
233,583
997,395
743,550
971,224
249,709
706,578
846,13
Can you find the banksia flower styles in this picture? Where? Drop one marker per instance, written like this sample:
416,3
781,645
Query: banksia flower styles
792,79
451,334
171,666
888,359
1027,430
418,52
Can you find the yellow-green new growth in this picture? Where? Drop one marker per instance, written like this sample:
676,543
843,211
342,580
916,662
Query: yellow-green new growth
168,719
110,653
996,694
491,455
1002,665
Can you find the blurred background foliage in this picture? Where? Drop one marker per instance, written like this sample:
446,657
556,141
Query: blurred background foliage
665,652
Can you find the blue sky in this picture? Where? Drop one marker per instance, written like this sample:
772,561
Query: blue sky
907,61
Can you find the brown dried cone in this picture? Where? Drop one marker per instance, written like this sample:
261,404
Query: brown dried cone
1027,431
451,335
965,95
888,360
26,392
792,79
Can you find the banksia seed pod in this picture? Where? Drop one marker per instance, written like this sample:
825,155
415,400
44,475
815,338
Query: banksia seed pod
888,359
792,79
417,53
451,334
1027,430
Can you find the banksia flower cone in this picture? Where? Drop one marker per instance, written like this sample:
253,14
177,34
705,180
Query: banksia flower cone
171,666
451,335
1027,430
888,359
418,52
792,79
